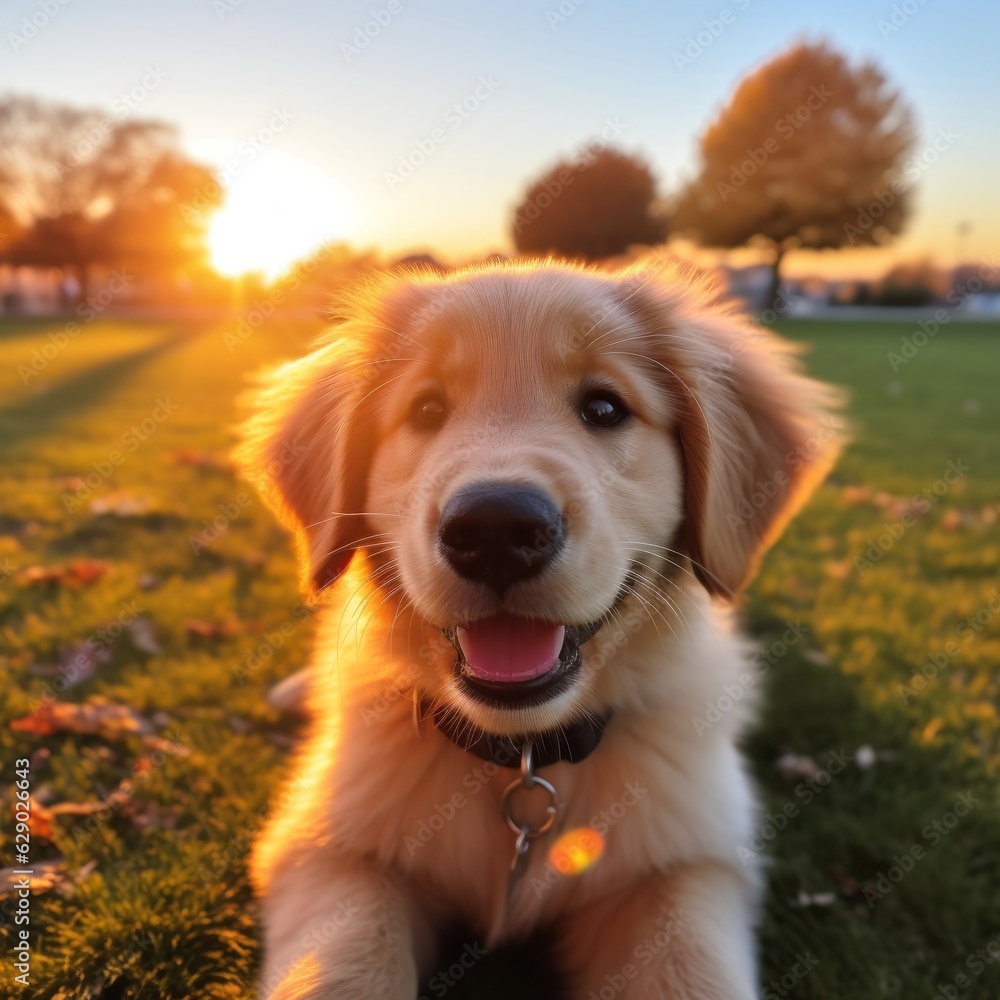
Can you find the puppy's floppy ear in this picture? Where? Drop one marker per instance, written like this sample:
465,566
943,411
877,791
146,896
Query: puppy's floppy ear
307,450
756,435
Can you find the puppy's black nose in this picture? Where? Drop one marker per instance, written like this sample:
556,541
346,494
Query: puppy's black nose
500,533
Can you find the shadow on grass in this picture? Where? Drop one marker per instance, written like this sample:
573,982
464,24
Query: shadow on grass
909,863
41,414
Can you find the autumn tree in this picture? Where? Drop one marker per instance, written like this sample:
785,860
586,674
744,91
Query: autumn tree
87,189
595,205
808,152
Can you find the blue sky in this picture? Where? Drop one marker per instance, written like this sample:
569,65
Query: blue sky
547,82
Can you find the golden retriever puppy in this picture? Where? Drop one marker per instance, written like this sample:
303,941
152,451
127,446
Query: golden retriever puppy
528,492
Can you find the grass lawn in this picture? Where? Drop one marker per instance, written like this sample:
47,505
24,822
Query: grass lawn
152,898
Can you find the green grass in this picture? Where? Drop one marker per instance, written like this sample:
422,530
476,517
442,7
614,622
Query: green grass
166,911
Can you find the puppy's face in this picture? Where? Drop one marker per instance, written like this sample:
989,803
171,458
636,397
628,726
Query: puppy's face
524,452
526,470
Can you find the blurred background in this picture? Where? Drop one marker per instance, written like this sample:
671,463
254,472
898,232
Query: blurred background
185,190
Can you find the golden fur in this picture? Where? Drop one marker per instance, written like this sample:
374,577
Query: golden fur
726,441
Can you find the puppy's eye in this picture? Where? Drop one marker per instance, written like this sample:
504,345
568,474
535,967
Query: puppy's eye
428,411
601,408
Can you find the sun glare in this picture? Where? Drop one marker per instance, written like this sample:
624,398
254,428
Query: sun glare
277,210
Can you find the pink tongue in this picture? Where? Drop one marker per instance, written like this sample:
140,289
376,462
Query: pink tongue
509,649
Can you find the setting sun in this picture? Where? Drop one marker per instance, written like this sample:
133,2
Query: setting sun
277,211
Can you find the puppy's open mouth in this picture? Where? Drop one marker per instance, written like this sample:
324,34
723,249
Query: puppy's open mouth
509,660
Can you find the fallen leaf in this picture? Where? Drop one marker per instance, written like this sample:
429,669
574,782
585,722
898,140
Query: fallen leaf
856,494
200,459
79,573
45,875
77,663
931,729
39,819
77,808
141,633
817,656
951,520
98,717
795,767
817,899
198,629
290,696
160,743
154,815
118,504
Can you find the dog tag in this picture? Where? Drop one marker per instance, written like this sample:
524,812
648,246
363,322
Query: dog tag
526,833
519,863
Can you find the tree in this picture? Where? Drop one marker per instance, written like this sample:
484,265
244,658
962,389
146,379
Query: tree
596,205
808,152
89,190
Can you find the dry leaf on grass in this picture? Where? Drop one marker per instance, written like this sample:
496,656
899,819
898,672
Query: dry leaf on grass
290,696
806,899
797,767
78,573
141,633
97,717
200,459
45,875
198,629
119,504
77,663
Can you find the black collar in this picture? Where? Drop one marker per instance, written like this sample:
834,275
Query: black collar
573,742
